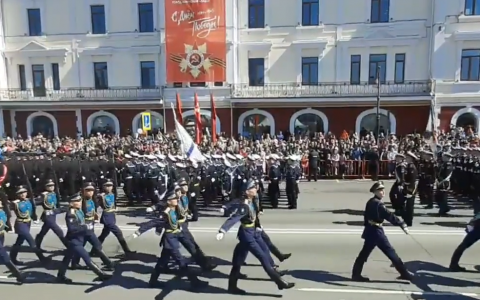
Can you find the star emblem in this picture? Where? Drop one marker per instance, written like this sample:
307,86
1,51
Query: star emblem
195,60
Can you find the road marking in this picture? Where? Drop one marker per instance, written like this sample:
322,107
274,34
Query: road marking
13,278
304,231
387,292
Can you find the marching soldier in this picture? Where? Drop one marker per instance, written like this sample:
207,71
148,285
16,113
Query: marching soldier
89,207
291,178
410,189
49,202
5,227
250,240
107,202
313,157
374,235
171,241
77,231
473,236
25,210
396,192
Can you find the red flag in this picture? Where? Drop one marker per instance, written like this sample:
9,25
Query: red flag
179,109
214,119
198,122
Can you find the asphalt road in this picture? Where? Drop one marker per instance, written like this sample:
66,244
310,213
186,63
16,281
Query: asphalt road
324,237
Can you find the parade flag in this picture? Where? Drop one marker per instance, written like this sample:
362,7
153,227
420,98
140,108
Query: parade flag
195,41
198,121
213,111
188,147
179,109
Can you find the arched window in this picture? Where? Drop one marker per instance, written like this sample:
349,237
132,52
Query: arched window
103,124
42,125
157,122
467,120
308,124
369,124
256,125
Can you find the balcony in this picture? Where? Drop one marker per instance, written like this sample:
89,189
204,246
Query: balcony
331,90
81,94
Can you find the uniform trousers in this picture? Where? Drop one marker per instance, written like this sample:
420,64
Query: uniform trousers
4,257
91,238
49,223
470,239
23,234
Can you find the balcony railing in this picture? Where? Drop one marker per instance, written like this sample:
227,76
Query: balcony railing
329,90
78,94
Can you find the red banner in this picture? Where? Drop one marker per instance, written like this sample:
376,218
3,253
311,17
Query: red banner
195,38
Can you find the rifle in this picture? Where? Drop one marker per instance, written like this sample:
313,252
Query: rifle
32,195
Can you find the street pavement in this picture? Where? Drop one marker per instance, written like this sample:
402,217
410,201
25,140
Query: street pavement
323,235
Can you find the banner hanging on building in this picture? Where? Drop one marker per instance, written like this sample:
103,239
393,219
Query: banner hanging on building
195,38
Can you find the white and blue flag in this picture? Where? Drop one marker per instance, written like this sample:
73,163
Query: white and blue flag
188,146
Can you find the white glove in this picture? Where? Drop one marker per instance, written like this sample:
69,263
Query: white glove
222,210
135,235
239,177
189,217
36,222
213,179
261,213
192,195
149,209
220,236
259,229
89,226
405,229
298,181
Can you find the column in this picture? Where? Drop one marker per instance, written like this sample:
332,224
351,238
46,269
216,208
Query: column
78,115
340,57
458,60
268,9
13,123
390,63
2,124
47,72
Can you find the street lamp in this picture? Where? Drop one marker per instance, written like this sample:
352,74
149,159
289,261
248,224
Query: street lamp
378,106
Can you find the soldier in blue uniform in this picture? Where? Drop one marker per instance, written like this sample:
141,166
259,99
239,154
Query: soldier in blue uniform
292,177
78,229
49,202
25,211
183,213
106,200
89,207
5,227
171,240
250,240
274,175
473,236
374,235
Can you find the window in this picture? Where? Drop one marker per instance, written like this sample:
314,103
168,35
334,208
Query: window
309,70
98,19
256,13
378,63
145,17
355,69
470,69
56,77
34,22
22,78
399,68
38,74
310,11
472,7
256,71
101,75
380,11
198,84
147,74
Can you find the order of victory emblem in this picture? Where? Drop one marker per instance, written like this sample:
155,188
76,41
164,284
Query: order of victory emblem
196,60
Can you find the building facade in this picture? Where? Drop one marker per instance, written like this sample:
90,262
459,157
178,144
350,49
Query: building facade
73,67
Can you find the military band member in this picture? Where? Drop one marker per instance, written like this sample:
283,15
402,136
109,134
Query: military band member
374,235
274,176
77,231
396,192
250,240
292,177
49,201
107,202
171,240
25,210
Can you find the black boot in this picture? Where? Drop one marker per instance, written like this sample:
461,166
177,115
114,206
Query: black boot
41,256
357,271
101,275
281,283
61,278
454,262
204,262
153,282
125,248
108,264
233,282
404,273
38,244
195,283
13,256
278,254
16,272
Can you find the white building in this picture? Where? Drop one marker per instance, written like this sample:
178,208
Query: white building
324,53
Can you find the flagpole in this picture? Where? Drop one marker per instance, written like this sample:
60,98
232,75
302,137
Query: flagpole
162,102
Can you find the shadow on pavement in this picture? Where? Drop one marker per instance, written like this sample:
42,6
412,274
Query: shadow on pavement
424,278
356,212
329,278
451,224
